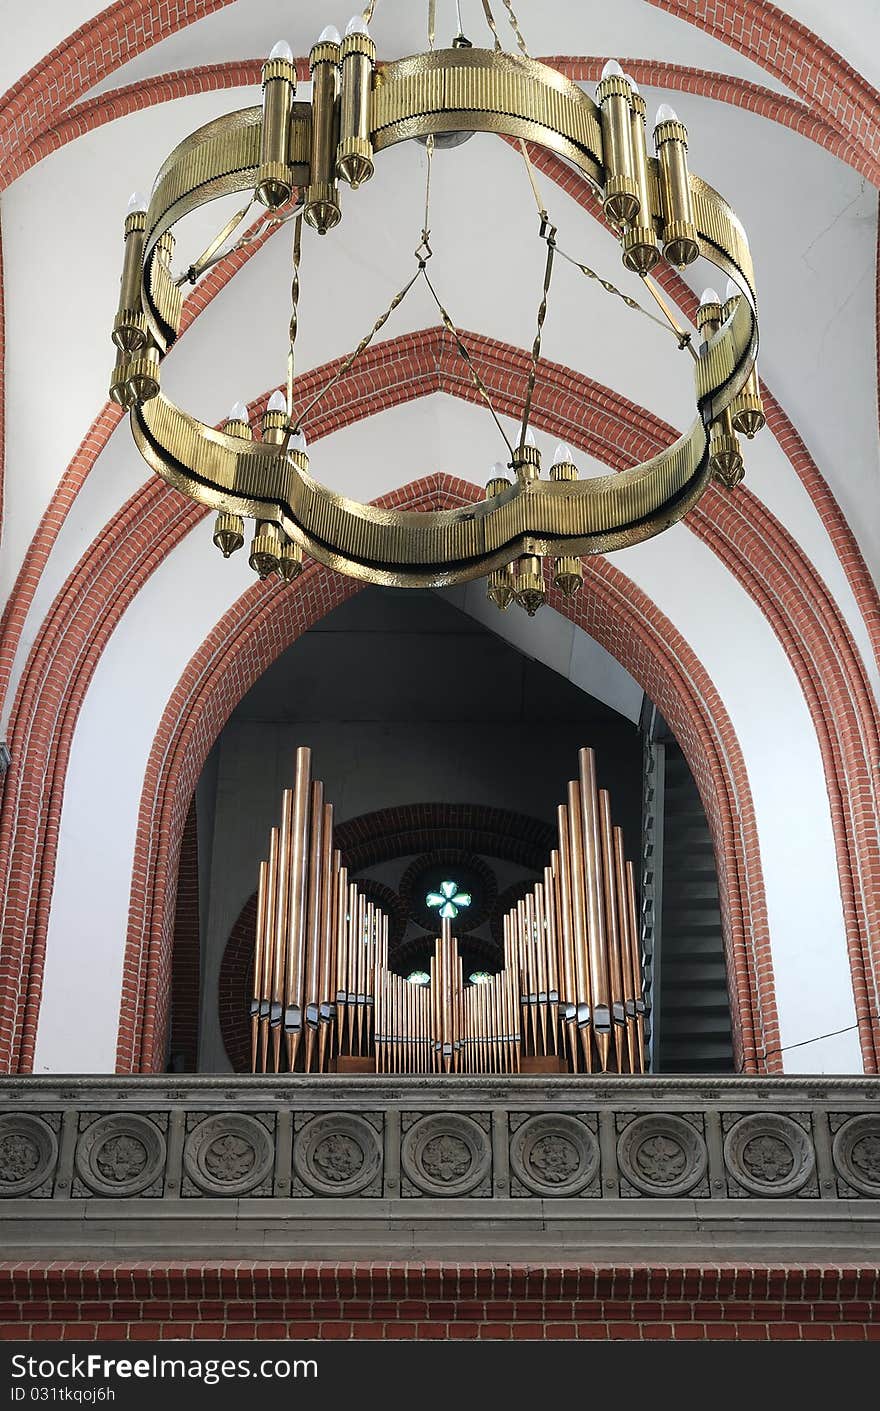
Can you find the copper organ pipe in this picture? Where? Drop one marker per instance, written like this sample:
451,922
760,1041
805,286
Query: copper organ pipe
636,962
579,924
612,926
259,949
571,976
314,925
278,932
596,938
295,911
629,1001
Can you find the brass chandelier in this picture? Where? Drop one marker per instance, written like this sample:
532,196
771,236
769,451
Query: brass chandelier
291,157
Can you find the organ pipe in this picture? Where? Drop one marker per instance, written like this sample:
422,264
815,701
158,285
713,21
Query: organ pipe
568,997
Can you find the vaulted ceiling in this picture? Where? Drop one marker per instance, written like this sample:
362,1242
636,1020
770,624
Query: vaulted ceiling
771,590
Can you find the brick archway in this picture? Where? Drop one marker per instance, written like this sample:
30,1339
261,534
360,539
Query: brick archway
749,540
36,117
265,620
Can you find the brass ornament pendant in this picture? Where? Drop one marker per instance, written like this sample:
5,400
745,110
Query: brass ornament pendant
529,532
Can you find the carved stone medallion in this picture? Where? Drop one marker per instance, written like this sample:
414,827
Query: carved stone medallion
554,1155
446,1154
28,1152
228,1154
337,1154
769,1154
856,1152
120,1155
661,1155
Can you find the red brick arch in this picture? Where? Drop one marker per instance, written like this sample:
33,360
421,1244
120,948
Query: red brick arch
265,620
597,420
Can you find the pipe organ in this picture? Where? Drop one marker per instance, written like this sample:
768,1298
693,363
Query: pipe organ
567,996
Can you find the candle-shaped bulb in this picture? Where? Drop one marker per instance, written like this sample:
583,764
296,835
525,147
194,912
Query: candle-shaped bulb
563,455
136,202
665,113
330,35
709,296
281,50
732,291
277,403
613,69
530,438
357,25
298,442
237,413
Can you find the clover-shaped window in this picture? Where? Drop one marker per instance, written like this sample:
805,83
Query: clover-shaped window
449,901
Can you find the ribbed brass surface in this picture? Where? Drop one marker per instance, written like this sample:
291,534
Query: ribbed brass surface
446,90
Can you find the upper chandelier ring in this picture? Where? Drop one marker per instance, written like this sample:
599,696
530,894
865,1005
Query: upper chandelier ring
356,112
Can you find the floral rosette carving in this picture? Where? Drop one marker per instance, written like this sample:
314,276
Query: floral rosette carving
662,1155
228,1154
446,1155
337,1154
856,1153
120,1155
768,1154
554,1155
28,1152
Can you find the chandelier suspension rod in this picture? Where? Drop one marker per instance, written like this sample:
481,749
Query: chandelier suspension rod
365,342
669,325
683,336
466,358
514,25
550,236
294,317
490,20
206,258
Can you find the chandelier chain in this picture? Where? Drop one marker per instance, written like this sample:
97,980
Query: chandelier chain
667,326
514,25
346,365
490,21
466,358
548,233
207,261
207,258
294,312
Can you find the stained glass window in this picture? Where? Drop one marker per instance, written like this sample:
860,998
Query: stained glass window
419,977
449,901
